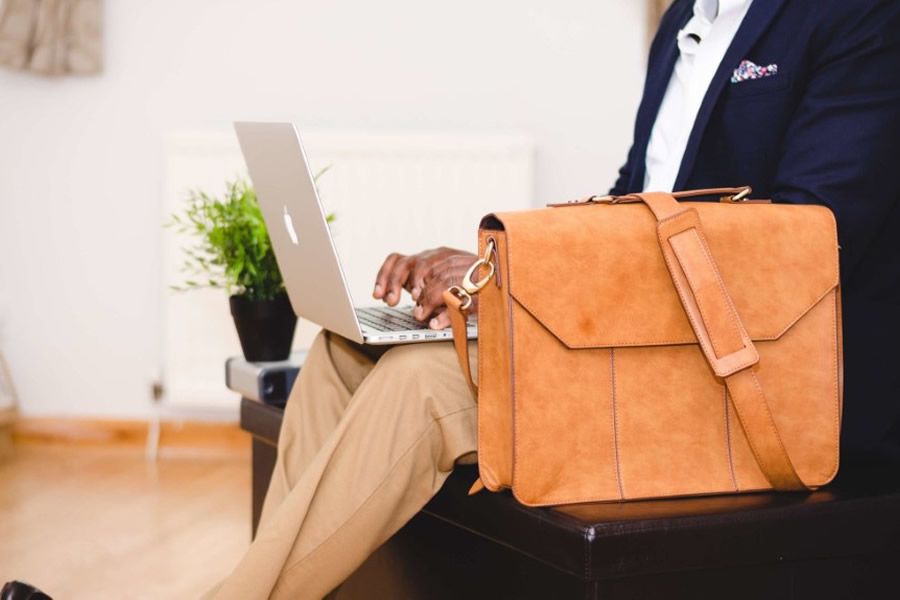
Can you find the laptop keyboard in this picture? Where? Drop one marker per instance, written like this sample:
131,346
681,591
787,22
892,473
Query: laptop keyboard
386,318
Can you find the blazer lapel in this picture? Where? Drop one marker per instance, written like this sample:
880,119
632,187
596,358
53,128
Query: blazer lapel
659,72
757,20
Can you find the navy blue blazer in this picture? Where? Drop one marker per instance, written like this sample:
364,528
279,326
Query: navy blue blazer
824,130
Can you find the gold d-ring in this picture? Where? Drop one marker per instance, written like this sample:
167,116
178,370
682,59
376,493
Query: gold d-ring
473,287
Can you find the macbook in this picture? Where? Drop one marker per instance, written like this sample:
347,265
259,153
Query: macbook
304,248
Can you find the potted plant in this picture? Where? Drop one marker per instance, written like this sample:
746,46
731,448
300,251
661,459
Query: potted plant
232,251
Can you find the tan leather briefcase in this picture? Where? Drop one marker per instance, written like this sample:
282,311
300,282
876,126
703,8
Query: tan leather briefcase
638,347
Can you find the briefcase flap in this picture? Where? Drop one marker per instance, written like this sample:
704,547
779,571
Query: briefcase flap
595,277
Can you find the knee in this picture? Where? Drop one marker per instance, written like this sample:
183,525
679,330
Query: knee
319,344
412,360
421,380
316,356
413,368
317,364
431,362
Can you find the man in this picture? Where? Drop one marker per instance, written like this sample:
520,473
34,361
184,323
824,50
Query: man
798,98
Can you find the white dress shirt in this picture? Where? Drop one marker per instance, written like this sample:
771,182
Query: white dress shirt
701,47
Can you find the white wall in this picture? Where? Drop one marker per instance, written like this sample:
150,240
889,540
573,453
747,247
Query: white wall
81,159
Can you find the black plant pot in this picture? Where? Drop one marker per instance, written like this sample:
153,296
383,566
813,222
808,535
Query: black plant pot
265,327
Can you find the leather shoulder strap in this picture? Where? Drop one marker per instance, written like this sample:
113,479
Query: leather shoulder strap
458,318
720,332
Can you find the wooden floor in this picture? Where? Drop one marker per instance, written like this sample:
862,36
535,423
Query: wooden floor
102,522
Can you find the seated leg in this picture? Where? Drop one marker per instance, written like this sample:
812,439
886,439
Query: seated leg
405,426
334,368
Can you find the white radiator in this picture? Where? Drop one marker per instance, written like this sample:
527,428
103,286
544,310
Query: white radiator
389,192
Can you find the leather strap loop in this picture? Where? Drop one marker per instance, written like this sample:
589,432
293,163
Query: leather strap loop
722,336
720,332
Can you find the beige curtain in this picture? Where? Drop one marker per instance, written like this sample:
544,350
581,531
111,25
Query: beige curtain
52,37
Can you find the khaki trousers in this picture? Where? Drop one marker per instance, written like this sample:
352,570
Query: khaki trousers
366,442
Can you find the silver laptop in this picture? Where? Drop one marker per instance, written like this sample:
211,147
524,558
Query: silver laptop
304,248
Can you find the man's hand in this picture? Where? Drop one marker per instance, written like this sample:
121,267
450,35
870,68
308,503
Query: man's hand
425,276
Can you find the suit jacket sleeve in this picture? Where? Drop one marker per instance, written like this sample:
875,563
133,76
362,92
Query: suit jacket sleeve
842,148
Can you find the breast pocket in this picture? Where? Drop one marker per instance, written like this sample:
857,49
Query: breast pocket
756,87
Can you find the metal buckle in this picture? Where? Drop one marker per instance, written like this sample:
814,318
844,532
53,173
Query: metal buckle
462,295
741,196
473,287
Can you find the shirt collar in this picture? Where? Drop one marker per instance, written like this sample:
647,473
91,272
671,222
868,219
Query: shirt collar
698,27
708,10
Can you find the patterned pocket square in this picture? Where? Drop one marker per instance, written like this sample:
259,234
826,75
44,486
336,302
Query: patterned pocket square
748,70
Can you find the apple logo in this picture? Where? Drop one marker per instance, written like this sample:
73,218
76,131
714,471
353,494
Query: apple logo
289,225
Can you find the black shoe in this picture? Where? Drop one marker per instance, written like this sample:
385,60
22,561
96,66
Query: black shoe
16,590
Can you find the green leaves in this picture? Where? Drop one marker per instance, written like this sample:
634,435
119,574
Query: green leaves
231,248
